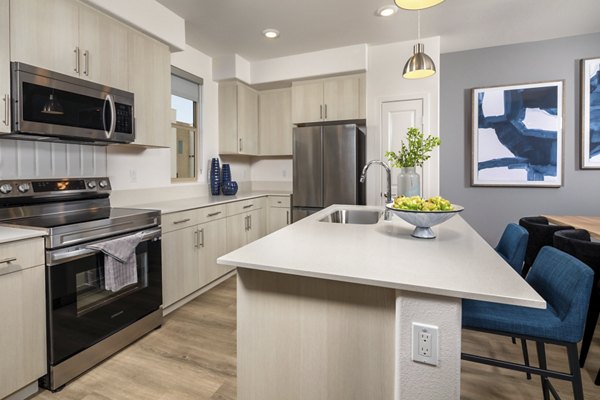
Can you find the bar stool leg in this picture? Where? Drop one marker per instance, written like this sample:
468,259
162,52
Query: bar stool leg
575,371
542,360
525,356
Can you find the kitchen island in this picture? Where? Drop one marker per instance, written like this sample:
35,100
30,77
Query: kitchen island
325,310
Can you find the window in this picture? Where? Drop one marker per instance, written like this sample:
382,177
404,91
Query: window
186,91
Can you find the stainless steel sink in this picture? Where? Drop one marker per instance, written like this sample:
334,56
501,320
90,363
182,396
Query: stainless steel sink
353,217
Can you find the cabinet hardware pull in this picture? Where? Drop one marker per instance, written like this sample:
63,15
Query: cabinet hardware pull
213,214
246,223
202,233
6,109
321,111
196,238
86,64
287,217
240,144
181,221
76,51
325,111
250,220
8,260
248,206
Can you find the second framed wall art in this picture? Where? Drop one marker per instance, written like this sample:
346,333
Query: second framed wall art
517,135
590,113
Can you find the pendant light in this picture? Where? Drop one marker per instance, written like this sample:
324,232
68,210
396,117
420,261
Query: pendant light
52,106
419,65
416,4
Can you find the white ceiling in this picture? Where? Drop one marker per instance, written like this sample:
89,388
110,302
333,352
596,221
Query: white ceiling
224,27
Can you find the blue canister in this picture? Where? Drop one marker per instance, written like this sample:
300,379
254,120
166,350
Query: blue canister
215,177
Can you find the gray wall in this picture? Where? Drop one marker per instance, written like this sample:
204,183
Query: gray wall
487,209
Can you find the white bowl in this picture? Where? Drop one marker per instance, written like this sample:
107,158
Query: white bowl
424,220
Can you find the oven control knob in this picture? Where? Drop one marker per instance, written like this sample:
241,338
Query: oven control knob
23,187
103,184
91,184
6,188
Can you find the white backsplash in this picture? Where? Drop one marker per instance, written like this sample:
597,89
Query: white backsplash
21,159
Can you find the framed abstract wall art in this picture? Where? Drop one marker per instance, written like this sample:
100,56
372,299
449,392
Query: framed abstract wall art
590,113
518,135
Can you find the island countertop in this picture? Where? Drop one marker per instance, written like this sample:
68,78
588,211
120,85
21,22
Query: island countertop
458,263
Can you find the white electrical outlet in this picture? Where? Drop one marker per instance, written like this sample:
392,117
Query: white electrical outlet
425,343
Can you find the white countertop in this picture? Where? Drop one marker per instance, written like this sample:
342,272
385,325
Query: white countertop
190,203
8,234
458,263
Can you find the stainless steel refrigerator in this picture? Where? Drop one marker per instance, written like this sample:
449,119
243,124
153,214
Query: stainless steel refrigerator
328,160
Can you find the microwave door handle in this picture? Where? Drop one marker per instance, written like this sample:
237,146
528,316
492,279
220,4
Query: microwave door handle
113,116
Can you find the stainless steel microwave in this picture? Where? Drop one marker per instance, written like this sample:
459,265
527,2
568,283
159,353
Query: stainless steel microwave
50,106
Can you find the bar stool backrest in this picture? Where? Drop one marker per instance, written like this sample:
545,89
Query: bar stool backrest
541,234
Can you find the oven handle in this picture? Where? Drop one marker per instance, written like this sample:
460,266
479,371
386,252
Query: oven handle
64,255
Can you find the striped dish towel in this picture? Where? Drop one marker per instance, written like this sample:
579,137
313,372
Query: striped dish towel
120,266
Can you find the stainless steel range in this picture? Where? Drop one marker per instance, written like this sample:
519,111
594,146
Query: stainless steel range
88,319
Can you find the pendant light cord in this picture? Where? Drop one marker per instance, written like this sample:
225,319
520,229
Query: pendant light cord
418,26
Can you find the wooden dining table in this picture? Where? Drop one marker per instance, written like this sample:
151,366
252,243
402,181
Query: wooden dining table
589,223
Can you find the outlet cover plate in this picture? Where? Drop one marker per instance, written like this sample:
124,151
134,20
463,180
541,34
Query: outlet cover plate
425,341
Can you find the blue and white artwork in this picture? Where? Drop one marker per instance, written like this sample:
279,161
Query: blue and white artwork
517,135
590,113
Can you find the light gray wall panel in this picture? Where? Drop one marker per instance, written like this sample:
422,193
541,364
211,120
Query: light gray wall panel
8,158
488,210
32,160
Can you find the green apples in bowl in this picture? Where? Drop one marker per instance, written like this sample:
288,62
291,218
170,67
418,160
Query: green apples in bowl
423,213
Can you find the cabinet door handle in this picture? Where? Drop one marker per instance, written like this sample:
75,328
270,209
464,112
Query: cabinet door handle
213,214
76,51
181,221
248,206
86,63
287,217
6,110
325,111
196,234
250,219
246,223
240,144
321,111
202,234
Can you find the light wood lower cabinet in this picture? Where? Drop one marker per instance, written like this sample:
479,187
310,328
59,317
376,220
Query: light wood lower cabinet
279,214
22,315
189,254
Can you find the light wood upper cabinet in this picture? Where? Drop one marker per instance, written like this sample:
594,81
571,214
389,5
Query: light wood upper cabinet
23,315
104,49
4,67
68,37
150,81
275,122
238,119
332,99
307,101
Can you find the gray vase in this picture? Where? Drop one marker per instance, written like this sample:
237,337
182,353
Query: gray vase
409,182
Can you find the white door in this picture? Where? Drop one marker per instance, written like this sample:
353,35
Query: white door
396,118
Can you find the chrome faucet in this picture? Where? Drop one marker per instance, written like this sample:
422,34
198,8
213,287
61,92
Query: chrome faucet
388,194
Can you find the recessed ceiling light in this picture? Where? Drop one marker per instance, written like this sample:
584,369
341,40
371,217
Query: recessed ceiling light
386,11
271,33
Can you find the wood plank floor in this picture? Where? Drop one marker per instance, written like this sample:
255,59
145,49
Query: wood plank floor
193,356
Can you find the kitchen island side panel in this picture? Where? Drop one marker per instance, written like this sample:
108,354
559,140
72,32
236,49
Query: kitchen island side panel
306,338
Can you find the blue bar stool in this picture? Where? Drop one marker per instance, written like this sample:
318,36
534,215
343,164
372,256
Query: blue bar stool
541,234
565,283
577,242
512,246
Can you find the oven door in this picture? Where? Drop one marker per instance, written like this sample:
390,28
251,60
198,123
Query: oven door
81,311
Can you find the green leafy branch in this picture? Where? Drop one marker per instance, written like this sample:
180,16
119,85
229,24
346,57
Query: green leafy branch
416,152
